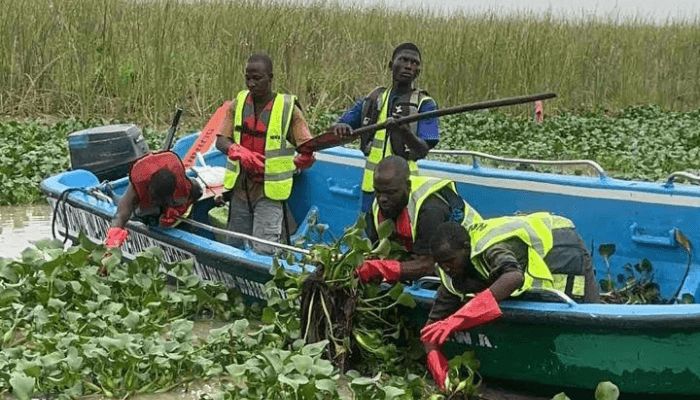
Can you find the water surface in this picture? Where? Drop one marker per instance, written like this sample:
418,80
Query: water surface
22,225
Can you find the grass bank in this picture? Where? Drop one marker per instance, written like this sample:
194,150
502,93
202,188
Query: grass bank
638,143
139,58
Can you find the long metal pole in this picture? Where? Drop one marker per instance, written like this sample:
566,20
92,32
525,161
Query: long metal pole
509,101
238,235
329,139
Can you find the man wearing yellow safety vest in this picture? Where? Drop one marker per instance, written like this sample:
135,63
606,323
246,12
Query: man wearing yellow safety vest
411,141
259,137
416,205
497,258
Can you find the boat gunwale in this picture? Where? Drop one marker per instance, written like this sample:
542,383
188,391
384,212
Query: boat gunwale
598,316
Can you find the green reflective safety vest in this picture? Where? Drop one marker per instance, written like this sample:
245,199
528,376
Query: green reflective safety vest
421,188
279,153
381,146
535,230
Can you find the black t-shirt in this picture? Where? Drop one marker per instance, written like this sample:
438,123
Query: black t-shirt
567,256
432,213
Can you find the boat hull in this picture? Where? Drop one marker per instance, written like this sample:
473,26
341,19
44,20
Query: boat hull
650,349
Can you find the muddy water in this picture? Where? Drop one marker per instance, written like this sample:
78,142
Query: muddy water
21,225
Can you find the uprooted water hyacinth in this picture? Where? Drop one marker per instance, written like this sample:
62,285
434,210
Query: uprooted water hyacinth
363,323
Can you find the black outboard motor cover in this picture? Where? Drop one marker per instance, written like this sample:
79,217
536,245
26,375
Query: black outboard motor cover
107,151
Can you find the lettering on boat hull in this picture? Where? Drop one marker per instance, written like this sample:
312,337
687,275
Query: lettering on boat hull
476,340
95,228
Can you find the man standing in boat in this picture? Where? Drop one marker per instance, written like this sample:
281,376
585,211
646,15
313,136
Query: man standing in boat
410,141
495,259
416,205
159,192
260,133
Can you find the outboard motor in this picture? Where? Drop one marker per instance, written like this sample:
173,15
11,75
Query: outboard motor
107,151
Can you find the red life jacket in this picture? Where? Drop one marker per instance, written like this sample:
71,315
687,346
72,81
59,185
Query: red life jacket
140,177
254,130
402,228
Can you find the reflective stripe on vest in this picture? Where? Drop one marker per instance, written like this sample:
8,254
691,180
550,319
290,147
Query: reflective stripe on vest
421,188
381,145
446,282
535,230
279,154
560,280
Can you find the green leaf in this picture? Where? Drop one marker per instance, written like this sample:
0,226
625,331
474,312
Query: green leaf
8,296
363,381
46,244
239,327
268,315
322,367
302,363
683,240
73,360
385,229
607,391
131,320
391,392
22,385
644,266
606,285
383,248
326,385
236,370
10,271
606,250
687,298
293,380
406,300
561,396
56,304
314,349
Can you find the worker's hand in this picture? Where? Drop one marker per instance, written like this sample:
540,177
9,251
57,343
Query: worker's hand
304,160
219,200
252,162
341,130
390,123
438,367
116,237
393,124
481,309
168,218
372,270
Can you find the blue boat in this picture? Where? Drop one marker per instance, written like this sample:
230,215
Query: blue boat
651,349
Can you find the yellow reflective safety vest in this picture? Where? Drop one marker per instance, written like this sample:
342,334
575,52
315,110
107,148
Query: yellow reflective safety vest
381,145
421,188
279,153
535,230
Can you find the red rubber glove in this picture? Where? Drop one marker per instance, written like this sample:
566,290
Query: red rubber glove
251,161
370,270
304,160
171,214
116,237
437,365
481,309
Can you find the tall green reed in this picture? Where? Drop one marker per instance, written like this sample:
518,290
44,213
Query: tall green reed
137,59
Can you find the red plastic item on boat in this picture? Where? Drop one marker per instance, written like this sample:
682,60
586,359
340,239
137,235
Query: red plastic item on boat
207,136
